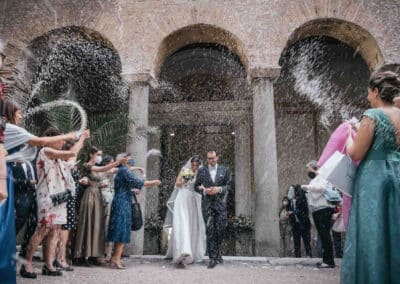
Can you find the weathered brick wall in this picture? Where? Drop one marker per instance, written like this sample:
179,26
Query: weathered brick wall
137,28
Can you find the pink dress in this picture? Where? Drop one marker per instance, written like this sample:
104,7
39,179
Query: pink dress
337,142
51,181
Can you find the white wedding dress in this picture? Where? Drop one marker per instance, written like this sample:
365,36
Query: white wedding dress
187,243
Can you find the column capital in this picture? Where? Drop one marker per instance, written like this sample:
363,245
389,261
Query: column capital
269,73
139,78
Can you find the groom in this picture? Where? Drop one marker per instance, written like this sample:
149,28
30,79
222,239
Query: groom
214,182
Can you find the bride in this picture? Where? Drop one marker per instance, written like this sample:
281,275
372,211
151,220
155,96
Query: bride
188,238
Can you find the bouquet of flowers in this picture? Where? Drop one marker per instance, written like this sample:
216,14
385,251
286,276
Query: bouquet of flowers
187,174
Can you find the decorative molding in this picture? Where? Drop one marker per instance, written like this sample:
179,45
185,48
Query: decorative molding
200,113
139,78
271,73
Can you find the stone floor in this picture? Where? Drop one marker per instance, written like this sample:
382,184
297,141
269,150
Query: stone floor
154,269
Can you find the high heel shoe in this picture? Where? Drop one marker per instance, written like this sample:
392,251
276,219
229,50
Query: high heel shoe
26,274
48,272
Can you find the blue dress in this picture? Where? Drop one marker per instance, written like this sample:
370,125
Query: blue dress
372,248
7,230
119,230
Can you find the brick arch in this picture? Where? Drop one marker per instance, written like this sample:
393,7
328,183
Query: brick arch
349,33
198,33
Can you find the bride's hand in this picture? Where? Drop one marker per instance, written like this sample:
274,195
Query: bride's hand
179,182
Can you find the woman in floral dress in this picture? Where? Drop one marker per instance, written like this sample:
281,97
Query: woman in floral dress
51,173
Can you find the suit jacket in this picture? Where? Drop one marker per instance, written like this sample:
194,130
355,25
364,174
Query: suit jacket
21,181
222,179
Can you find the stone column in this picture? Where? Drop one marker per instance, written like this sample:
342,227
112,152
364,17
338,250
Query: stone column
243,169
151,245
265,168
138,109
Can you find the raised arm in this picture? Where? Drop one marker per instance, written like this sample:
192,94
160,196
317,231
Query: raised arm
45,141
78,145
110,166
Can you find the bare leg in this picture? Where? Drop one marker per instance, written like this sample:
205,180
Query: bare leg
116,258
34,243
64,234
51,247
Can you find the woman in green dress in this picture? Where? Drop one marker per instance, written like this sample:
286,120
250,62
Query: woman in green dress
372,249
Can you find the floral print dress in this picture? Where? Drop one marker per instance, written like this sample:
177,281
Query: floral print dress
51,181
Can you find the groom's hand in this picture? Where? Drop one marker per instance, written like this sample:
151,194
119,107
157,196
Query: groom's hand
213,190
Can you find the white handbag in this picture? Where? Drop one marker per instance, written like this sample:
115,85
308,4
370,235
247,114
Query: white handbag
340,171
339,226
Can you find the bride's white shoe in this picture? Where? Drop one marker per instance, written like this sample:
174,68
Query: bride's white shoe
184,259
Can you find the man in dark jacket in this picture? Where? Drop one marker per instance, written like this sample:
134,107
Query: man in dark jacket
213,182
300,220
25,201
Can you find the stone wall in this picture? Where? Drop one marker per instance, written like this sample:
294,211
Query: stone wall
261,28
145,33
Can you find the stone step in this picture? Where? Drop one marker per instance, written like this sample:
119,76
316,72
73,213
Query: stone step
275,261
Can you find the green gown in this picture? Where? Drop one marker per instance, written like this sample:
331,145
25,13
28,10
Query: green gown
372,248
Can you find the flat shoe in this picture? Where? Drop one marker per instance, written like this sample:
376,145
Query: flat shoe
26,274
323,265
48,272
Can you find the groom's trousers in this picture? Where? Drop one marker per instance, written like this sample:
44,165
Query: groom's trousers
216,223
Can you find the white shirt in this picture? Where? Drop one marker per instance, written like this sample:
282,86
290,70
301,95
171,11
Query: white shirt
315,196
28,164
213,172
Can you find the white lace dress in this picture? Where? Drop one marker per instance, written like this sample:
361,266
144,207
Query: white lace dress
188,238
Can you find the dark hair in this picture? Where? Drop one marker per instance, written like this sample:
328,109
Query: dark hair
196,159
106,159
213,151
287,207
10,108
52,131
387,83
93,150
68,145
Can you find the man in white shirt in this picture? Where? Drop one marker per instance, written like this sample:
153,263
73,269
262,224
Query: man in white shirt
214,183
322,212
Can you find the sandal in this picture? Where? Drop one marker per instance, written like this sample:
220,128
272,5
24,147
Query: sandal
115,265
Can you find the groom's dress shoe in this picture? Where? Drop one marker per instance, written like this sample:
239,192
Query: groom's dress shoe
220,260
213,263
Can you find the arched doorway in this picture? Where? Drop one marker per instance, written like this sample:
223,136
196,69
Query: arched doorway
323,81
77,62
201,101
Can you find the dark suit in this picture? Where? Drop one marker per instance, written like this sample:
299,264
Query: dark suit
214,206
300,221
24,203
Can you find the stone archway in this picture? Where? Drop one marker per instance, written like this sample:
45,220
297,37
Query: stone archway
199,33
349,33
325,68
202,89
71,59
